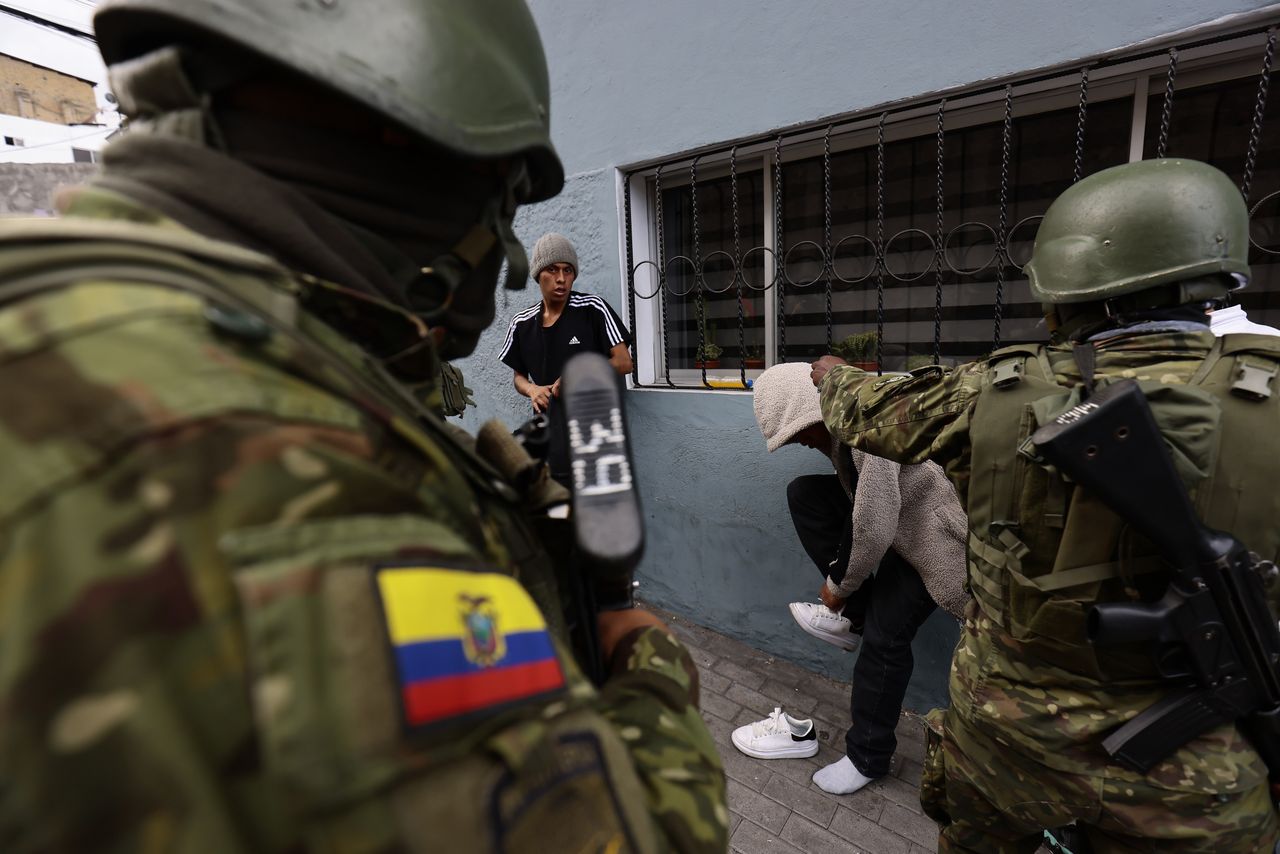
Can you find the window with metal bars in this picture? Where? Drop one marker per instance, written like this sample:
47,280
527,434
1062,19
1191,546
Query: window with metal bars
904,232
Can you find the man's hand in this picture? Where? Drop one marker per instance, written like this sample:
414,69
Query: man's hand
540,397
555,389
818,370
831,600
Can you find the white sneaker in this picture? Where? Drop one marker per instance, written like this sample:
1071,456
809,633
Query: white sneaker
823,623
778,736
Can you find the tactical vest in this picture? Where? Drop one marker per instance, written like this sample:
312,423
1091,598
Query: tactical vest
548,776
1041,552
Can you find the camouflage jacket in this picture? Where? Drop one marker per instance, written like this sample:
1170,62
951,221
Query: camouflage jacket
1055,714
251,600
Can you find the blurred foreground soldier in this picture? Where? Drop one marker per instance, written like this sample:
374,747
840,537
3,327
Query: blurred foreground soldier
254,596
1126,262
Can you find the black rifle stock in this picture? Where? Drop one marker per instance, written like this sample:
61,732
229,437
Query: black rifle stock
608,527
1214,638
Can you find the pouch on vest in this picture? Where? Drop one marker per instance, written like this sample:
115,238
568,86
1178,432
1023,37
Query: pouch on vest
1019,510
395,696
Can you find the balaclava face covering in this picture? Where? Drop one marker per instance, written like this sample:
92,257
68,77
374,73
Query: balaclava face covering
412,225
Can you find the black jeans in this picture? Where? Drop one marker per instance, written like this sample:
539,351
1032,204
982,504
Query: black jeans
890,606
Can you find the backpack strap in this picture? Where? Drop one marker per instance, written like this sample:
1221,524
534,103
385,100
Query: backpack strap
1257,363
1010,364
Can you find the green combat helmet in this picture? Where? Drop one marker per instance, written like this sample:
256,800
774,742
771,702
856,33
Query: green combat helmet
468,76
1173,231
460,76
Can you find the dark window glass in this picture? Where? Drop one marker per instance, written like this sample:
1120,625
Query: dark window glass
1212,123
1043,147
718,298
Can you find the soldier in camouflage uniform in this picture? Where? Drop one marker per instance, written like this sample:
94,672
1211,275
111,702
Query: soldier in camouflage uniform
1126,261
254,594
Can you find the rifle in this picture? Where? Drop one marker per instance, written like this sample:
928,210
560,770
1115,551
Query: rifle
1212,634
608,537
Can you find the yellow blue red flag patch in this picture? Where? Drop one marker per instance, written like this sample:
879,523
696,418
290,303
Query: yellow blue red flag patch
464,642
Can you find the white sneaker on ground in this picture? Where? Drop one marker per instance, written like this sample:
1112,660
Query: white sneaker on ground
823,623
778,736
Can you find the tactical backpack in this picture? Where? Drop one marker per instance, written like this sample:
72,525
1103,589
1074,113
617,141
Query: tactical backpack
1220,427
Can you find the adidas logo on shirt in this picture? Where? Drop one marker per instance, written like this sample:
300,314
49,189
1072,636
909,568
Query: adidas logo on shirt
574,340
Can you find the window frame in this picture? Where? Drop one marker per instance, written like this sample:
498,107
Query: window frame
1229,57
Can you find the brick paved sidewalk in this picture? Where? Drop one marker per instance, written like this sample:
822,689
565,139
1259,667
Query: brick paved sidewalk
773,804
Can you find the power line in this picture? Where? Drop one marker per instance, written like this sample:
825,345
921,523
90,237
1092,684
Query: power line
44,22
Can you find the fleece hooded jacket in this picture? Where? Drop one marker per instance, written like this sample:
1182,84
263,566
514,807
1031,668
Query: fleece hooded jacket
912,509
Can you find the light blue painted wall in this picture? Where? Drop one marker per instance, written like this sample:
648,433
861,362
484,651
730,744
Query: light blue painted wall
633,81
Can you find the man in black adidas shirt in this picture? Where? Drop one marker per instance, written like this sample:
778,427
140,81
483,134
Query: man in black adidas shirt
562,324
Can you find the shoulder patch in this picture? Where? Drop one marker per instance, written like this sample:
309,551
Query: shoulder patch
465,643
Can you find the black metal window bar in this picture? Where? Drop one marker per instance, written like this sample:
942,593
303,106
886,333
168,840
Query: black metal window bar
830,264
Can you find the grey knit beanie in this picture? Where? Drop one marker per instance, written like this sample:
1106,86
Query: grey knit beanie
551,249
785,402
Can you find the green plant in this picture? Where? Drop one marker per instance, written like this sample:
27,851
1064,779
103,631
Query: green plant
708,350
860,347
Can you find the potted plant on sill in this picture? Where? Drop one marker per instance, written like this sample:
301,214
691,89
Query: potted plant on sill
708,356
858,350
754,358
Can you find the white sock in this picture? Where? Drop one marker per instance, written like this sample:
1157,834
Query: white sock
840,778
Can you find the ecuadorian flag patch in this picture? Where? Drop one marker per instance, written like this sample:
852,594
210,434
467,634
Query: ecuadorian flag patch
464,642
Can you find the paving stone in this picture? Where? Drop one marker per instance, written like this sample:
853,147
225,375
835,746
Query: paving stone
908,771
796,770
899,792
828,754
718,705
721,732
710,680
866,802
750,698
705,660
867,835
747,677
809,801
735,651
796,701
752,773
828,693
807,836
766,812
789,674
831,734
773,804
910,733
751,838
918,828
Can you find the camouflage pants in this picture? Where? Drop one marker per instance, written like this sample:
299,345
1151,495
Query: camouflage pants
989,798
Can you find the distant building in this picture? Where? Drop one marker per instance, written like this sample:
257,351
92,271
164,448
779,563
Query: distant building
30,91
54,103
